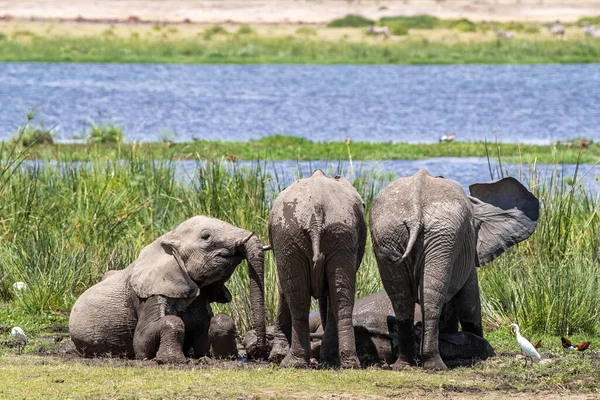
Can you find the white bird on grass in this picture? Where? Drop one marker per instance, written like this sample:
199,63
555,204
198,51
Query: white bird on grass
526,347
19,337
19,286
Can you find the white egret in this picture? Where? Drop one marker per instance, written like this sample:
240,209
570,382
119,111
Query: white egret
19,337
526,347
19,286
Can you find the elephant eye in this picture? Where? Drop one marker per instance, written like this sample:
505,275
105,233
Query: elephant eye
205,236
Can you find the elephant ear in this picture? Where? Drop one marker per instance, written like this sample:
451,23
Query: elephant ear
159,271
505,212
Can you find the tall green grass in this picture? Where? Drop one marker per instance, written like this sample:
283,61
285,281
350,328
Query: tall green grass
63,224
253,49
549,284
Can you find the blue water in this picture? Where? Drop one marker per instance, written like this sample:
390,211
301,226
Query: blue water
525,103
465,171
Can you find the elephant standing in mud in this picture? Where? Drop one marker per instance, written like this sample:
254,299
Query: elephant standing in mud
318,232
429,237
159,306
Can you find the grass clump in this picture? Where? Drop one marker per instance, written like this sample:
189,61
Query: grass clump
461,24
104,133
306,31
398,28
351,21
595,20
246,30
29,135
213,31
422,21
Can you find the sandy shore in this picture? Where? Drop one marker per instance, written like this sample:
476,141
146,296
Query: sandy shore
297,11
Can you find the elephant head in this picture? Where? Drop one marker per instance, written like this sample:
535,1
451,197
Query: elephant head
505,214
202,252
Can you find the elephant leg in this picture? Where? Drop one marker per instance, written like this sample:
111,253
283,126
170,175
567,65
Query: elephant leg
468,306
329,354
295,283
157,335
282,332
197,321
201,341
434,287
222,337
449,318
341,281
396,279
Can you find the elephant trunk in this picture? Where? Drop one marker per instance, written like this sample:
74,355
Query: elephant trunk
253,252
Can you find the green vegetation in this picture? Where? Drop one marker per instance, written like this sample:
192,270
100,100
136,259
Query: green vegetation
214,30
293,148
350,21
306,31
33,377
398,28
104,133
520,27
590,20
245,49
29,135
429,22
422,21
246,30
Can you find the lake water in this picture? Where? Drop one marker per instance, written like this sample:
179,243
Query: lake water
524,103
465,171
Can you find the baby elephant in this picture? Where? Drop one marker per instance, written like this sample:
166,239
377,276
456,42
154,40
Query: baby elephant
318,232
159,306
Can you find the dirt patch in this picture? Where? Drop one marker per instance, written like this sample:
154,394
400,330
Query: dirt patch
296,12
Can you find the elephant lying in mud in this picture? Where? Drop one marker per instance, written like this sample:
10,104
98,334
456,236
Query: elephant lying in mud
374,325
429,237
159,306
318,233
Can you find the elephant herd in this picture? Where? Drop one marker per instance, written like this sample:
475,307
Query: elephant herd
428,237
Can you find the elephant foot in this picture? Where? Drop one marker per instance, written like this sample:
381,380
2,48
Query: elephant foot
259,353
350,361
399,365
278,352
434,363
291,361
170,357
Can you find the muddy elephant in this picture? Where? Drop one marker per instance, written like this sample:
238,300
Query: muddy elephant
374,328
317,230
429,237
159,306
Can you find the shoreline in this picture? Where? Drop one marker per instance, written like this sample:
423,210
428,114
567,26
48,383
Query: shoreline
277,148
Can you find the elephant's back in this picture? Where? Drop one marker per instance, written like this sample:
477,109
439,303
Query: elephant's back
103,318
333,199
418,194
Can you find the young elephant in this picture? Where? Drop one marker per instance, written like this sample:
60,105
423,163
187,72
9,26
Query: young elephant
318,232
148,309
429,237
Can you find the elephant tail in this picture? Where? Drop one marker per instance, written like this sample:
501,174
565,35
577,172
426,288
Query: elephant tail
414,232
315,231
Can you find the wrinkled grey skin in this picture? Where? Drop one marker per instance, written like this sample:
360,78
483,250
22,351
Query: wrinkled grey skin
318,232
222,337
429,237
158,307
374,319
